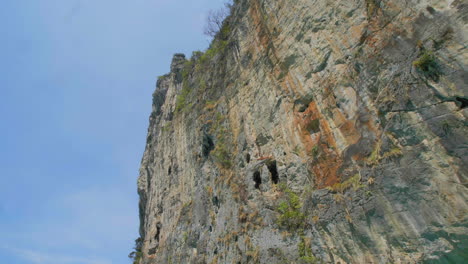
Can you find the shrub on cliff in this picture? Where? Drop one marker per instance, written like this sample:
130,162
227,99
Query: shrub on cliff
136,254
290,216
215,19
427,64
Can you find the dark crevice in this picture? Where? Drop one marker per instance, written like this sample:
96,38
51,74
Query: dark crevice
152,251
445,100
431,10
302,108
313,126
215,201
208,145
463,102
247,158
257,179
169,171
273,171
158,231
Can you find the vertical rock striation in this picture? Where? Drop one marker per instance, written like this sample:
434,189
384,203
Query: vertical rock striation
313,131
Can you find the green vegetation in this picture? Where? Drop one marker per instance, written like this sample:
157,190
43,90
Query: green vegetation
188,67
197,62
427,64
217,47
314,152
296,150
167,127
341,187
136,254
290,216
181,101
305,252
375,157
225,31
221,152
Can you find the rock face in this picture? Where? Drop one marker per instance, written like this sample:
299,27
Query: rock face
313,131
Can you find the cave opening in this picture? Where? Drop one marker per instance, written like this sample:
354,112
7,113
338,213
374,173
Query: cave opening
169,171
273,171
257,179
247,157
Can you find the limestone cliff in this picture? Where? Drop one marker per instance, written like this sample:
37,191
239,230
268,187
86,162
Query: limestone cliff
313,132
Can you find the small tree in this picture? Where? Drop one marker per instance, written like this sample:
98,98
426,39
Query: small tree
214,21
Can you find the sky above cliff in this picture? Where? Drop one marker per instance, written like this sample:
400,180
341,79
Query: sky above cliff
76,78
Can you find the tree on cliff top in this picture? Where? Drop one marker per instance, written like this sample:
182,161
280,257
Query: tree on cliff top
215,18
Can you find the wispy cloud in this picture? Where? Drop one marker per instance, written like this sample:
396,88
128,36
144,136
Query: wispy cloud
37,257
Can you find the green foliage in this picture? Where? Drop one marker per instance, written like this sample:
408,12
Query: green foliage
309,259
225,31
196,54
314,152
188,67
221,153
375,157
181,101
217,47
290,216
428,65
136,254
354,182
296,150
305,252
167,127
136,257
202,84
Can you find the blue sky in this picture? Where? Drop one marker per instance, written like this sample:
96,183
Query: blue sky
76,78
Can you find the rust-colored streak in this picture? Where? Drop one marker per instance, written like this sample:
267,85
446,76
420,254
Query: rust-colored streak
320,146
346,127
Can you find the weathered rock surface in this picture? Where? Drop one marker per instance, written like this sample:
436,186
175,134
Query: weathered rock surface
313,131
